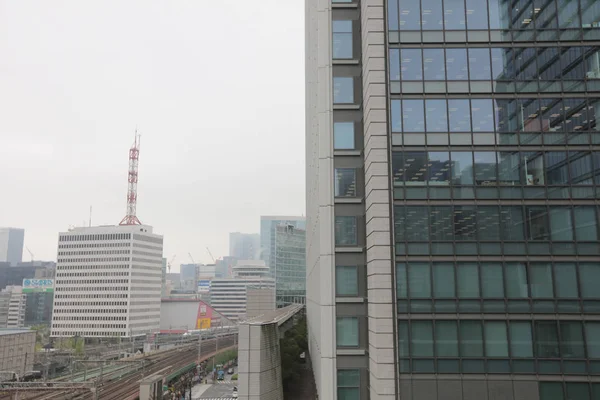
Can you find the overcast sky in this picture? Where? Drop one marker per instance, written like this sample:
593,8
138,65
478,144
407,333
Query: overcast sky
216,89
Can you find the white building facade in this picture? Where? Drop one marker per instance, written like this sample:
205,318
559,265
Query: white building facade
108,282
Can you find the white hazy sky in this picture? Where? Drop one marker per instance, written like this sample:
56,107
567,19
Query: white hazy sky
216,88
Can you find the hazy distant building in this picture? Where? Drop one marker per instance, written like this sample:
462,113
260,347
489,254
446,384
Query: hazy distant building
244,246
268,225
188,276
224,266
229,296
163,290
290,265
11,245
108,282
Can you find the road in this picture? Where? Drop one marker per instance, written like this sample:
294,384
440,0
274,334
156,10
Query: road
222,390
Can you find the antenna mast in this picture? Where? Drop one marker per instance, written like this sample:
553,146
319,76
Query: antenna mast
134,155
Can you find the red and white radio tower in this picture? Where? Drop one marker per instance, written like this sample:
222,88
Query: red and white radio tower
134,156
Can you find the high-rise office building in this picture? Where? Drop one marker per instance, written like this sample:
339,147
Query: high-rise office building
244,246
268,225
290,265
453,164
108,282
11,245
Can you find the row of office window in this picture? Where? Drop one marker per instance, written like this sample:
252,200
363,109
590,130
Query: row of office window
489,280
89,281
427,15
90,326
89,267
93,245
91,310
496,63
108,236
92,296
494,115
148,239
92,252
346,231
95,289
475,346
488,168
92,259
85,318
493,223
88,274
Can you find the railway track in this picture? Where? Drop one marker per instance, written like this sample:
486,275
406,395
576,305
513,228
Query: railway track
127,386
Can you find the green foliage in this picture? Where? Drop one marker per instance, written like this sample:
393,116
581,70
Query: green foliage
225,356
292,345
234,377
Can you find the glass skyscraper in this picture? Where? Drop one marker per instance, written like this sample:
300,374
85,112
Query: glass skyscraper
453,184
290,265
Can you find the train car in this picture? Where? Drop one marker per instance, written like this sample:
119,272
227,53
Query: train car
31,376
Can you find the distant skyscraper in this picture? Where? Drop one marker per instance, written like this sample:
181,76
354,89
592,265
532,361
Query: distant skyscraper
290,265
244,246
11,245
108,282
268,225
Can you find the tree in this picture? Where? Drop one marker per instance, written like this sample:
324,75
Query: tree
294,343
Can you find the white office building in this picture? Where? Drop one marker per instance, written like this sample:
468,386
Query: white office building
229,296
11,245
12,307
108,282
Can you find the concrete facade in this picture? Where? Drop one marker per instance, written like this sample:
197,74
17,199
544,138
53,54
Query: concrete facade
108,282
259,301
17,351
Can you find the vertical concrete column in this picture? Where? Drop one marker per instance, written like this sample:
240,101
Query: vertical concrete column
382,360
320,279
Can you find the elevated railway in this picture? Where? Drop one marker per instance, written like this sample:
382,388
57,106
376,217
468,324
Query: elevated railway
118,383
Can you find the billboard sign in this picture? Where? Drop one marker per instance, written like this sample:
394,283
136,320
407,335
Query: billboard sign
203,323
38,285
204,285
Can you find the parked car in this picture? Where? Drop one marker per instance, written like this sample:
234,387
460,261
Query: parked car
230,371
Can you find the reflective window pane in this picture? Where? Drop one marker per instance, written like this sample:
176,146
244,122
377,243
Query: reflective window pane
571,340
462,168
346,280
419,280
411,65
492,281
347,332
468,281
560,223
438,172
516,281
431,15
345,231
592,335
345,182
443,280
410,12
551,391
471,339
485,168
566,281
446,339
482,115
343,135
512,224
343,90
394,64
413,116
589,276
454,14
477,14
421,339
546,335
499,13
521,340
342,39
459,115
396,112
393,22
434,64
479,63
540,276
456,64
579,391
496,341
436,115
586,228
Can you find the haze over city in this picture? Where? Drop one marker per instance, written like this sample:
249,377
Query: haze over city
222,135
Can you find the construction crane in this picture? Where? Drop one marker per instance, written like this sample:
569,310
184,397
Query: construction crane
30,253
170,262
191,258
210,254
